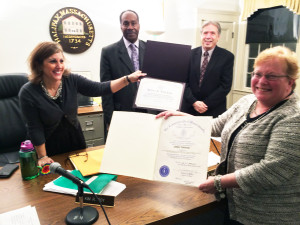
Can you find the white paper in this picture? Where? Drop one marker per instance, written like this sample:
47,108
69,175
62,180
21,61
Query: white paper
217,139
113,188
132,147
213,159
24,216
159,94
183,150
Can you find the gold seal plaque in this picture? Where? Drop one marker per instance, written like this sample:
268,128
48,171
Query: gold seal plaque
73,29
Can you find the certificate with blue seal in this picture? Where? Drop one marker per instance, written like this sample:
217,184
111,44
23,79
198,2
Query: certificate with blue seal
173,150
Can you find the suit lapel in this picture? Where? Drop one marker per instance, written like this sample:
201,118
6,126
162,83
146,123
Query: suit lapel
213,61
124,57
196,63
142,48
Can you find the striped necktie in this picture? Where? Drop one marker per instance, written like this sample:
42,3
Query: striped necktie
203,67
134,57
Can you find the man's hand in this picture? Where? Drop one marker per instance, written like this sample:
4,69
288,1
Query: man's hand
200,106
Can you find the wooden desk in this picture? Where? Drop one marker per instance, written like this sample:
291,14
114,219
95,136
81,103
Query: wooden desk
89,110
142,202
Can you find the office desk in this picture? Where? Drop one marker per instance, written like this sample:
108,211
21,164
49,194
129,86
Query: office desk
142,202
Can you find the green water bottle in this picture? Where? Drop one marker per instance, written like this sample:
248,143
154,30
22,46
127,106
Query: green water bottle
28,161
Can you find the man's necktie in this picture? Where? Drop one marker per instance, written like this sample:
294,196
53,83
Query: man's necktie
134,57
203,67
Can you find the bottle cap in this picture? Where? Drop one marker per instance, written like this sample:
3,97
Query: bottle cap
26,146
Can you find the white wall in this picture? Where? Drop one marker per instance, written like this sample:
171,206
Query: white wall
23,24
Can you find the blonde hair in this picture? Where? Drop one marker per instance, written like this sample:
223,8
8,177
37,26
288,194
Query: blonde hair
283,54
36,59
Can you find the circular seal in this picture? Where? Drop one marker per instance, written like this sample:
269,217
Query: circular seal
164,171
73,29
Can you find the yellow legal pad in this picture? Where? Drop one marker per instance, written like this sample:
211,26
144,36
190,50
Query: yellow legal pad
88,164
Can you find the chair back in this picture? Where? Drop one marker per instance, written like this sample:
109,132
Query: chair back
13,130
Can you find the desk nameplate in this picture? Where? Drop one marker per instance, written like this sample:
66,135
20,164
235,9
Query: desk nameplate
90,199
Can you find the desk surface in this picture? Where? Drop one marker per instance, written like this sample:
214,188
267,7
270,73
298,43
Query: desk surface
142,202
89,110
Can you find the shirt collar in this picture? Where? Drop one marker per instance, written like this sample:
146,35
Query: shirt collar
209,52
127,43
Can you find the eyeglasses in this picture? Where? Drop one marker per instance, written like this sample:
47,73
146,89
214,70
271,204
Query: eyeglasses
81,154
269,77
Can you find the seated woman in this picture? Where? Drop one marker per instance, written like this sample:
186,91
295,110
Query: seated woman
49,101
259,172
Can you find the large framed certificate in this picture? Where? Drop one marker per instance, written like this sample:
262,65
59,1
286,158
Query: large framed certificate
166,65
159,94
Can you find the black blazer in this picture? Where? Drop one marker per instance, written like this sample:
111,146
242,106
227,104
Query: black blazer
115,63
216,83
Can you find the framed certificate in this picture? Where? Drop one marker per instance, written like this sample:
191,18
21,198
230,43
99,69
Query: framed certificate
159,94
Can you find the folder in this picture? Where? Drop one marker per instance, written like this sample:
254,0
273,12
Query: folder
167,61
87,164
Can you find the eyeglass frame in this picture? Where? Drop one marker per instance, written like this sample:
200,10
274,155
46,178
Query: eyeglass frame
80,154
269,77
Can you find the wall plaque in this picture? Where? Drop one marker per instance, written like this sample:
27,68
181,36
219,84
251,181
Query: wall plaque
73,29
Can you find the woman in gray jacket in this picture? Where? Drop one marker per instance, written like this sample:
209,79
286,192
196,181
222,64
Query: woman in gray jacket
259,173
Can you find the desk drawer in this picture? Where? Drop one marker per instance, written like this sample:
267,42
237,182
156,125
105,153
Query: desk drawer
92,126
95,142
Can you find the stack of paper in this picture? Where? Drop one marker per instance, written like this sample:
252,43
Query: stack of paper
24,216
101,184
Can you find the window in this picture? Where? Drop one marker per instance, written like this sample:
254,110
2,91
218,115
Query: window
266,28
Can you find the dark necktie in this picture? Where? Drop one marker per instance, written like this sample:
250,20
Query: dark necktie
134,57
203,67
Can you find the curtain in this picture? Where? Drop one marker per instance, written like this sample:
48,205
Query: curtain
250,6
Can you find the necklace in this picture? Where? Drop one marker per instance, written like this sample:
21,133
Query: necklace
256,114
271,108
47,92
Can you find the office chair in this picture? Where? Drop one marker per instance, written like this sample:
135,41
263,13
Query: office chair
12,126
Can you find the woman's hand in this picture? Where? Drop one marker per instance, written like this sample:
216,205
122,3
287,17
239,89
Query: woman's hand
208,186
136,76
45,160
167,114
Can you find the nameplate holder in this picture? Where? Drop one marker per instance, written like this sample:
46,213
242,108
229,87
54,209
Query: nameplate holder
90,199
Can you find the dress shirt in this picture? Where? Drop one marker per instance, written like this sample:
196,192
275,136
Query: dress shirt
210,52
127,43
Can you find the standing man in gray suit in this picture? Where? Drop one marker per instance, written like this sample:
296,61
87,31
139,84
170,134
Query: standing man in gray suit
119,59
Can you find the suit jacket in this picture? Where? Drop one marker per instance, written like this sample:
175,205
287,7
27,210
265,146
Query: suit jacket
115,63
216,83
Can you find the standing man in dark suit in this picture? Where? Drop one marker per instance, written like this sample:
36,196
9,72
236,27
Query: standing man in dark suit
210,75
117,61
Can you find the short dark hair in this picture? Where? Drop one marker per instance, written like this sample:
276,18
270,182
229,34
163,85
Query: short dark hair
36,59
128,10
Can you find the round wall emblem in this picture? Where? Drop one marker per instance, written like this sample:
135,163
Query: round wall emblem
73,29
